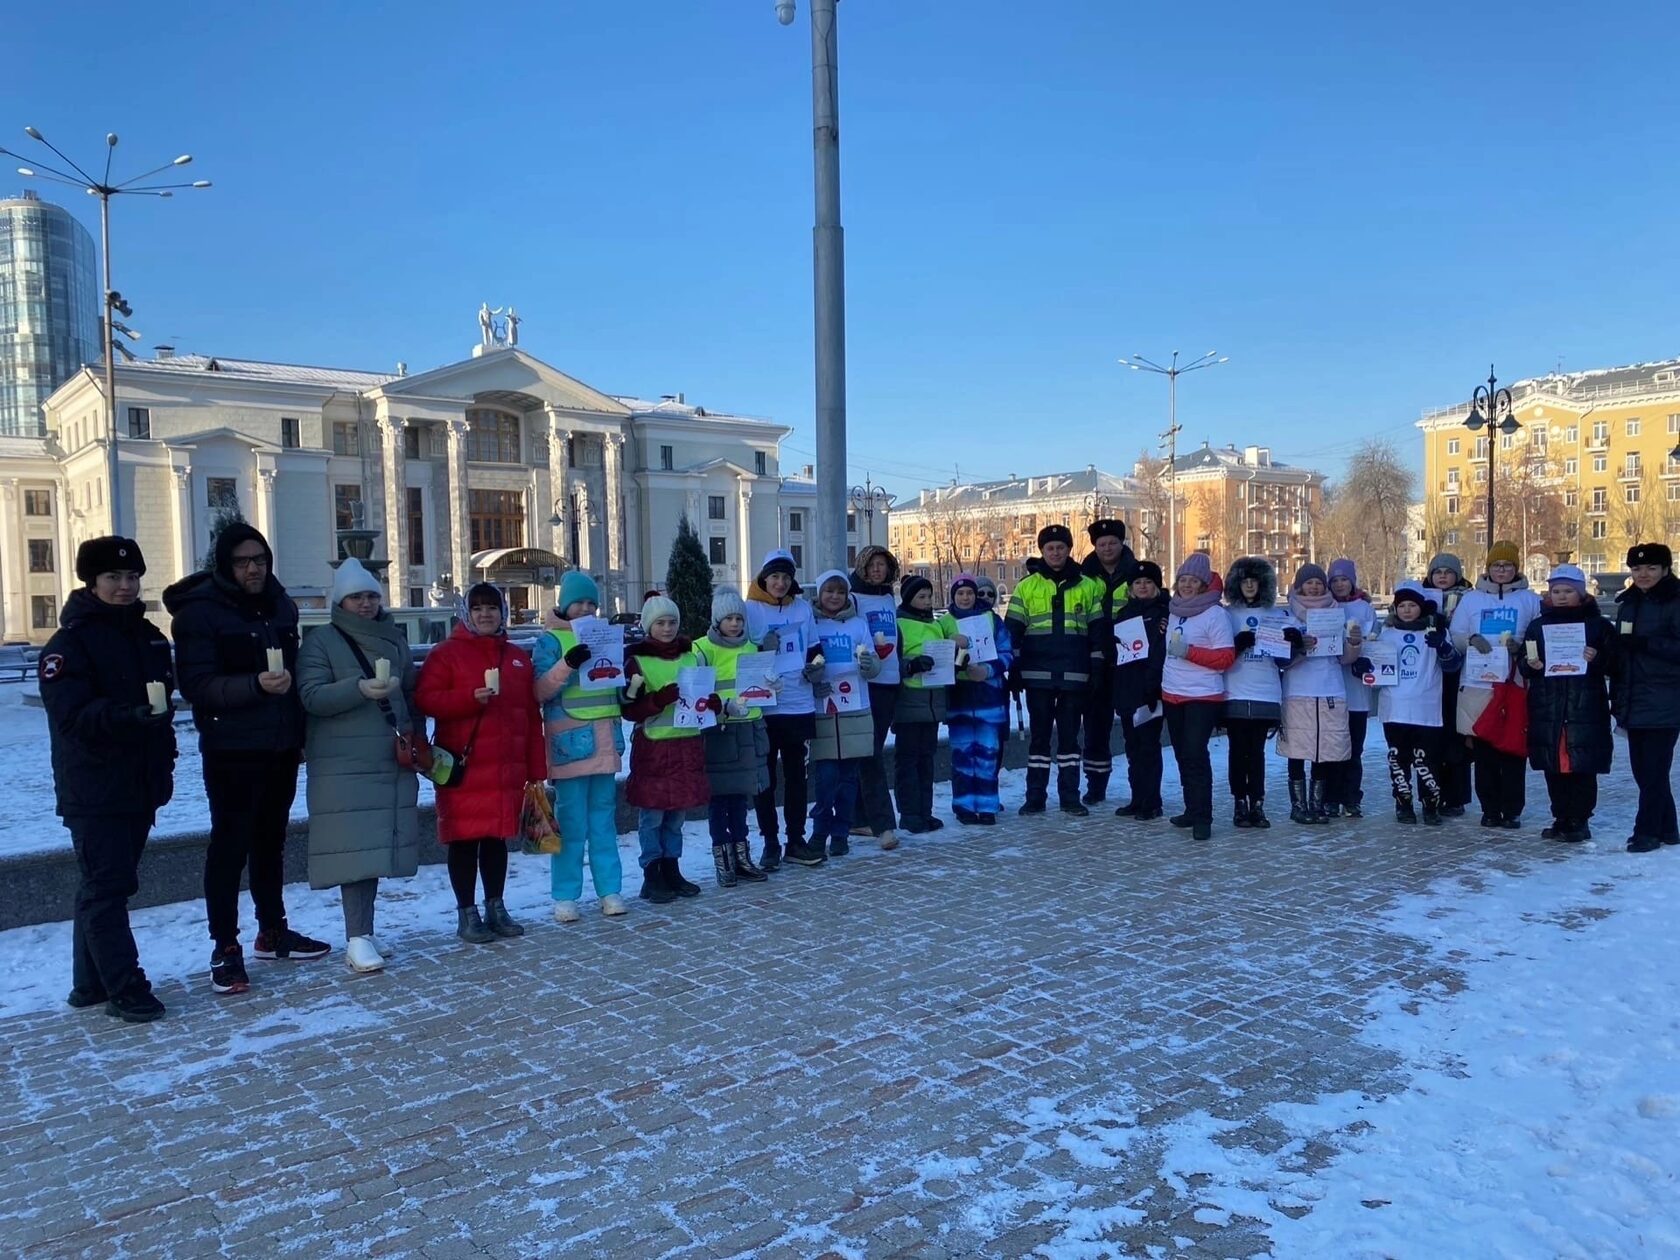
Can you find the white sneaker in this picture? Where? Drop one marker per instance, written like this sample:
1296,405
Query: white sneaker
613,904
889,839
361,955
566,912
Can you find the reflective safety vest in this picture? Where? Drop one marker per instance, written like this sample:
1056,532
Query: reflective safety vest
916,632
575,702
723,658
658,673
1051,622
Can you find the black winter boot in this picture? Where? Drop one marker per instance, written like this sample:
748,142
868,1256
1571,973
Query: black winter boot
470,928
675,881
723,863
741,852
1431,812
655,888
497,919
1315,801
771,858
1096,788
1403,811
1038,789
1300,809
1240,817
1257,814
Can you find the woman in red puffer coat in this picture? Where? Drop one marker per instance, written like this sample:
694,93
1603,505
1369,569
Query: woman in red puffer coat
500,729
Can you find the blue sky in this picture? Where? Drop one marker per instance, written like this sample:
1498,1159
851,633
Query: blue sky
1361,205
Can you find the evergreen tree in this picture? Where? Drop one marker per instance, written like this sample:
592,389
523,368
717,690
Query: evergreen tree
226,514
688,581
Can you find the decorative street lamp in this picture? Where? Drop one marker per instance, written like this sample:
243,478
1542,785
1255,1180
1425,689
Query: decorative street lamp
1172,371
868,499
1491,407
1095,505
113,304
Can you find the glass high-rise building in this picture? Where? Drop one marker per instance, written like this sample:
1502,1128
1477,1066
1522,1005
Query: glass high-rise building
49,308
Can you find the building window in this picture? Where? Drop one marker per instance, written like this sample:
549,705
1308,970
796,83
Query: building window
1571,498
290,435
417,597
761,463
714,507
1601,461
1601,431
43,612
40,555
1480,449
139,422
1452,505
1599,528
1674,492
851,522
1452,538
416,527
798,552
1481,473
1600,500
667,458
1507,441
1452,446
1630,493
715,551
411,442
1571,467
1631,467
851,554
347,506
1481,535
498,518
222,492
344,438
588,452
37,502
1572,434
1452,478
1674,422
796,522
492,438
1633,427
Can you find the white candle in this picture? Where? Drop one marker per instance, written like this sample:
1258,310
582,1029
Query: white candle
1352,626
382,670
1505,637
493,680
880,639
157,695
1627,627
276,660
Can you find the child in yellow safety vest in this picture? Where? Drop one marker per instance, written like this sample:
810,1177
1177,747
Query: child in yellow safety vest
921,706
737,748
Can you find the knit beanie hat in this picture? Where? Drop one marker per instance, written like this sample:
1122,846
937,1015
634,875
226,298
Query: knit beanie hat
656,607
1196,565
1503,553
1644,553
777,561
910,587
1306,573
352,579
1411,592
1446,560
1106,529
1149,569
575,586
957,584
110,554
1568,575
986,588
1055,533
727,602
1342,567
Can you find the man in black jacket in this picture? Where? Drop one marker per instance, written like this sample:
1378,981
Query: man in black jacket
250,735
1645,692
1112,566
113,759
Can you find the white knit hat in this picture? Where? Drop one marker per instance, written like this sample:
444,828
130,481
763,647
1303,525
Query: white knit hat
658,606
352,579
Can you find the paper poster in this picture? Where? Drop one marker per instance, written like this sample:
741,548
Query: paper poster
846,693
1146,715
1384,655
982,638
944,671
755,674
604,671
1269,641
1566,650
1131,641
695,686
883,631
790,647
1412,645
1483,669
1325,625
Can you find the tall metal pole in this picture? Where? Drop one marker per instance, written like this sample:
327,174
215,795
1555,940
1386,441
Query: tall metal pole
1492,443
115,493
830,287
1172,477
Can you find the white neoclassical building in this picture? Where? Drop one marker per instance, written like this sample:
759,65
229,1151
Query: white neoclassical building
498,466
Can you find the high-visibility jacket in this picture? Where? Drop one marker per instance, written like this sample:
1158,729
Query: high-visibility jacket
658,674
723,658
578,704
1051,618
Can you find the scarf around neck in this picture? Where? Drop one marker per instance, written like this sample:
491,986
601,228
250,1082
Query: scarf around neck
726,640
1299,603
1190,605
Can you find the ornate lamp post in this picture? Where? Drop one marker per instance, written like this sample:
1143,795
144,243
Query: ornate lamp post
1172,371
868,499
1491,407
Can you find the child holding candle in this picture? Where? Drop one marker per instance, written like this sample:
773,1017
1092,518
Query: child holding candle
921,706
737,748
978,715
844,656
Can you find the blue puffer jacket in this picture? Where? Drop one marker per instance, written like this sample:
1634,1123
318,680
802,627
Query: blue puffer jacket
986,701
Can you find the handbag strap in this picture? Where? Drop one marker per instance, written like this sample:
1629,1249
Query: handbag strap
478,721
367,672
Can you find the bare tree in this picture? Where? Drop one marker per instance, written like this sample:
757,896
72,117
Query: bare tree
1370,512
1154,501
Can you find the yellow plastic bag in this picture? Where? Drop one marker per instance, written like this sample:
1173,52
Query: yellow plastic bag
538,831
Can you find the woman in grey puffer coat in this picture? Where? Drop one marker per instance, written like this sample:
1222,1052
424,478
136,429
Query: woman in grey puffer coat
362,819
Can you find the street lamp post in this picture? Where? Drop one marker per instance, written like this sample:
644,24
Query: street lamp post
1496,404
868,499
1096,507
113,303
1172,371
829,288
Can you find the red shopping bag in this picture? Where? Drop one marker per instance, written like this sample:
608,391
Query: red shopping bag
1504,723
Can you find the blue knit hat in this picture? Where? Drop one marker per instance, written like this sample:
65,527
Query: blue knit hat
576,585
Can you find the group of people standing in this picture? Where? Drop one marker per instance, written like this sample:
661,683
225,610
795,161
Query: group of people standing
853,667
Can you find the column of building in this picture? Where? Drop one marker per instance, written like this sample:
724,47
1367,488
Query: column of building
559,443
459,506
265,505
614,461
743,530
393,469
181,511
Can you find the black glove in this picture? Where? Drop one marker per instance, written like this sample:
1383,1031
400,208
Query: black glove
1436,638
142,715
919,665
1362,666
578,656
714,704
1243,641
812,652
1294,638
1149,699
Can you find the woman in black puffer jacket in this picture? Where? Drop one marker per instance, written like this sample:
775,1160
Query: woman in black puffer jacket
1569,736
1647,691
1138,686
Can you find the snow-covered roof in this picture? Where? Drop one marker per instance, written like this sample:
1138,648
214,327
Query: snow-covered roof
255,370
672,409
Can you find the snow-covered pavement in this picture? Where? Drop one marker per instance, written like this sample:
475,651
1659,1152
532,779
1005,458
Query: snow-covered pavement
1062,1038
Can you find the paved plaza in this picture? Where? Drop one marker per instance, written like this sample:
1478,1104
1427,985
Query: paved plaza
977,1045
